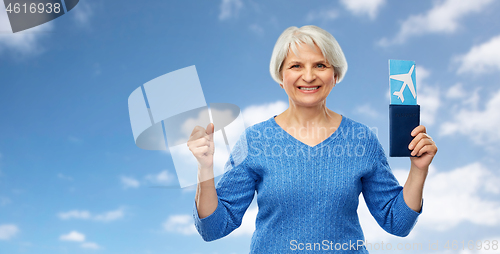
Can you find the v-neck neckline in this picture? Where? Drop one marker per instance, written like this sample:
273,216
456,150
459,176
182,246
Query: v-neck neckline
320,144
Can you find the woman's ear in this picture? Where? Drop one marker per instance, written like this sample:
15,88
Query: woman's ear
281,85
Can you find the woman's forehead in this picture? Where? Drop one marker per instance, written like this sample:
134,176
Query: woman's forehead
305,57
303,52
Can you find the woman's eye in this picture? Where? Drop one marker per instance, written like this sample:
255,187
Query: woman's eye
321,66
295,66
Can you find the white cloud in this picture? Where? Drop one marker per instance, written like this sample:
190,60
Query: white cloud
74,214
459,195
23,42
257,113
86,215
64,177
181,223
90,245
256,29
82,13
367,110
188,125
73,236
468,99
324,15
479,125
129,182
481,58
427,96
7,231
110,216
421,74
247,226
456,92
450,198
363,7
229,9
161,178
444,17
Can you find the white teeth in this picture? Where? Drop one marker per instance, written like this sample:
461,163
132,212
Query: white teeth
308,89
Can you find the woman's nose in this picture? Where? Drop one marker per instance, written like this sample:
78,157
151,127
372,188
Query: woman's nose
309,75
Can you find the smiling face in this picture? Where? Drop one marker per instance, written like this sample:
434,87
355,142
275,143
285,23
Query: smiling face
308,78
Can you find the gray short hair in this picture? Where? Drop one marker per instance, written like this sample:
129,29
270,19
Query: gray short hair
309,35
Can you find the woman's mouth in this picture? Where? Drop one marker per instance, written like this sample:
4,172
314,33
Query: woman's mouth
310,89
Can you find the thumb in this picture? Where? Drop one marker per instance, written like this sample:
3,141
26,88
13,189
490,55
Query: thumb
210,129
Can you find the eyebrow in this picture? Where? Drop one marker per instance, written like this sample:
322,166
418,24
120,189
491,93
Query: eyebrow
298,62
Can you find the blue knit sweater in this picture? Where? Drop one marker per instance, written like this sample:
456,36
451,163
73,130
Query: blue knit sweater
307,196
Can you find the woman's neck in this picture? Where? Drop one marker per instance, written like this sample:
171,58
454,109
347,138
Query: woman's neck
299,116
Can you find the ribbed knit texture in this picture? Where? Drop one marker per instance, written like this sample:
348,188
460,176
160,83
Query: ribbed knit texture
307,194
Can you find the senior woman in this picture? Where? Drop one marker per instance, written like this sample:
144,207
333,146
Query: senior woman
308,164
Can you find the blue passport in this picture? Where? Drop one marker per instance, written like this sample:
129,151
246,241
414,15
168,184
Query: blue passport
404,112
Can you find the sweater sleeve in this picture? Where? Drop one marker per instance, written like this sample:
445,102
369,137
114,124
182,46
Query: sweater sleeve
384,196
235,192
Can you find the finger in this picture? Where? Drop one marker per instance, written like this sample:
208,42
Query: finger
429,149
204,150
418,130
199,142
197,133
196,129
209,131
210,128
415,140
420,141
420,145
429,137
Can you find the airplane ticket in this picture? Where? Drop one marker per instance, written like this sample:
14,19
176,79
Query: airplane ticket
403,86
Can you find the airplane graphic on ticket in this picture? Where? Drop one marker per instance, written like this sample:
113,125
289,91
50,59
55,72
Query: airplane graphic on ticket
402,75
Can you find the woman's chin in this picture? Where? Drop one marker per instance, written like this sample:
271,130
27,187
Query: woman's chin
309,102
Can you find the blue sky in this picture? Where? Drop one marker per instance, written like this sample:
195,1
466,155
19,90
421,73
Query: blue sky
72,179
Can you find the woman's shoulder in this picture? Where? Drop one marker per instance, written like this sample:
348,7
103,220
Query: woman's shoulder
359,128
264,127
368,136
